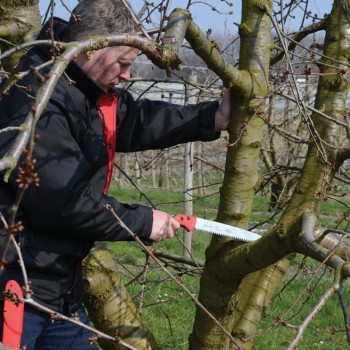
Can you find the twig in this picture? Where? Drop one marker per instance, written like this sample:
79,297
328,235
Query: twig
10,128
314,110
178,259
299,37
345,313
302,106
136,19
29,45
143,194
144,280
10,226
55,316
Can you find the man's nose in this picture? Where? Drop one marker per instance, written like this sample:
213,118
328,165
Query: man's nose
125,74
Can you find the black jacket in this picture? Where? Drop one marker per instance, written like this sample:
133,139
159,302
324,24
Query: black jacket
65,215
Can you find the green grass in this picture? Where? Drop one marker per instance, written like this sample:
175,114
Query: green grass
173,202
319,334
169,313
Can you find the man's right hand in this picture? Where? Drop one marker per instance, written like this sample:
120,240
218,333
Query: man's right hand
164,226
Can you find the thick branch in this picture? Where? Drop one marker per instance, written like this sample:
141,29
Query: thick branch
308,245
180,25
165,58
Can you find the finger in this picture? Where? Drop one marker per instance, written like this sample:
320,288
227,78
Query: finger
174,224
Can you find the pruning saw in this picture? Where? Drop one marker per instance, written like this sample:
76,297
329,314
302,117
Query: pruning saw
191,222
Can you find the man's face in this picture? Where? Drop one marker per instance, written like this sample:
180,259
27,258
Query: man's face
109,66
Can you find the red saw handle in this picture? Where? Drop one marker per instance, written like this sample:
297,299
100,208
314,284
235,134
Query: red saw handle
188,222
13,317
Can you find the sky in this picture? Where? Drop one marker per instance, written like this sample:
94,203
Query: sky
202,14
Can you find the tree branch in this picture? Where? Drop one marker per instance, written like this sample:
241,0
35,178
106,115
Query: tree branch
298,37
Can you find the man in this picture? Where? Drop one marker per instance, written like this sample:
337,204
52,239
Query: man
66,214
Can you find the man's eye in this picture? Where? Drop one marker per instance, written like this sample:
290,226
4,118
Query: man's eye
125,65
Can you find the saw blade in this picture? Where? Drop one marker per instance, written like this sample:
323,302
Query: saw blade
225,230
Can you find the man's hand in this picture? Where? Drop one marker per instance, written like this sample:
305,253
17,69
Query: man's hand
223,113
164,226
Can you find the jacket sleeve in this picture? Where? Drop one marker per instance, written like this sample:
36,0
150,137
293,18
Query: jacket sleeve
66,202
146,124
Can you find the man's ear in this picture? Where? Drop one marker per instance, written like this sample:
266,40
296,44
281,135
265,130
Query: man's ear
84,56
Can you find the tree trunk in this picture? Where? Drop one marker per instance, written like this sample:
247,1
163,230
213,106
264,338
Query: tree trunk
240,180
237,305
109,305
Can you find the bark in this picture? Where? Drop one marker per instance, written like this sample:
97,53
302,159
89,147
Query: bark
20,22
109,304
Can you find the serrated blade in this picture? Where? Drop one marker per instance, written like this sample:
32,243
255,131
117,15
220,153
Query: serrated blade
190,222
225,230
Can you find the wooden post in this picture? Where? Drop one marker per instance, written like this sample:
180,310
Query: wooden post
200,169
188,172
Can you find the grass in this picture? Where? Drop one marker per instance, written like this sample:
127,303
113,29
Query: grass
326,331
169,313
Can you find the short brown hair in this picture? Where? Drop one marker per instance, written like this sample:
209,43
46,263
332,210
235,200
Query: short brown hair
99,17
